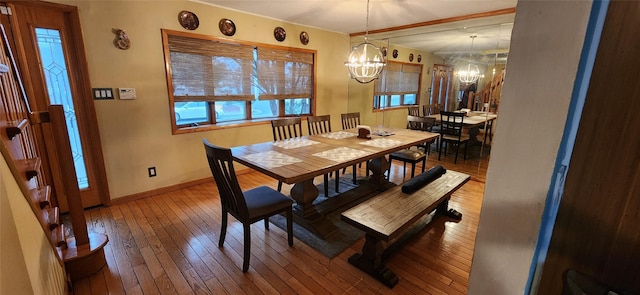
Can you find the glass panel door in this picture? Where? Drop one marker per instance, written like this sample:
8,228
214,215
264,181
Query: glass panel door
54,67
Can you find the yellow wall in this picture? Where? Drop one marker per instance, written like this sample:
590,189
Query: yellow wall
136,134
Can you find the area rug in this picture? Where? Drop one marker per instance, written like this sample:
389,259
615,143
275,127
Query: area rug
341,239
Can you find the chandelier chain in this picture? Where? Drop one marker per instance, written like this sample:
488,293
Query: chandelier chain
366,28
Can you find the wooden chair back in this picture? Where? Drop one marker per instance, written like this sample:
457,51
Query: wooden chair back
221,165
286,128
451,124
350,120
420,123
431,109
413,111
319,124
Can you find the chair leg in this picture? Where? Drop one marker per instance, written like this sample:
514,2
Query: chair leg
404,170
266,223
466,144
223,229
413,169
424,163
338,180
366,168
326,185
247,247
440,149
290,226
355,181
279,186
457,149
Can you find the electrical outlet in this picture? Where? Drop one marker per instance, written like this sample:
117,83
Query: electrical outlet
152,171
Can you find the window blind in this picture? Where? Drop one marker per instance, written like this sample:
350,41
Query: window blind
283,74
398,78
210,70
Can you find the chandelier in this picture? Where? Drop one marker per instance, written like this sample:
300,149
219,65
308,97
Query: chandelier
365,60
472,72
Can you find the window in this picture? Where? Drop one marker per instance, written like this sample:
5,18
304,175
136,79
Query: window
220,82
398,86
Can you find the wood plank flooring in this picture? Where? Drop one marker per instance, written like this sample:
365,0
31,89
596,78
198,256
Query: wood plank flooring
168,244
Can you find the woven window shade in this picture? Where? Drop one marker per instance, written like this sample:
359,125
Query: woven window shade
208,70
398,78
284,74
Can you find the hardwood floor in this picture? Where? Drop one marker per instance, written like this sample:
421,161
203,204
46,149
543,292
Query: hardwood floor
168,244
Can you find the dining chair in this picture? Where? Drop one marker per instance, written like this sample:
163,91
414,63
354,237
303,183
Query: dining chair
427,110
451,124
413,111
320,125
414,155
350,121
285,129
247,207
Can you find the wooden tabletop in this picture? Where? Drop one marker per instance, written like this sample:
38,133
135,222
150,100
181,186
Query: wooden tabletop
297,159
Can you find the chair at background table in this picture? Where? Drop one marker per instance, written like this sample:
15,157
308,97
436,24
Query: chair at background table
413,111
350,121
320,125
412,155
431,109
247,207
451,133
286,129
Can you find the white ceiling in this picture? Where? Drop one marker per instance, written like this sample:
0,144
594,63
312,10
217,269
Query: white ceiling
450,40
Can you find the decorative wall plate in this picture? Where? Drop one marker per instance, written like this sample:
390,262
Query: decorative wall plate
227,27
410,56
304,38
384,51
395,53
188,20
419,58
279,33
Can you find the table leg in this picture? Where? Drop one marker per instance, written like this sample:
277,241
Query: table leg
377,167
305,212
370,261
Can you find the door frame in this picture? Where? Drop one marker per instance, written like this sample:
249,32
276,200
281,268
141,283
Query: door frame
82,97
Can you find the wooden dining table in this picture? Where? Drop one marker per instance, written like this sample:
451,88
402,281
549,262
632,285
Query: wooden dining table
298,160
473,122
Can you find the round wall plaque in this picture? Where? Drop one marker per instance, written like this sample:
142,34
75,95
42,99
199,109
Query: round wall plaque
227,27
395,53
410,56
188,20
304,38
279,33
419,58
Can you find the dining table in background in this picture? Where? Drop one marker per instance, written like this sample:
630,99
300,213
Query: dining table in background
472,122
298,160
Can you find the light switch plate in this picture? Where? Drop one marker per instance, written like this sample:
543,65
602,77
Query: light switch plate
102,93
127,93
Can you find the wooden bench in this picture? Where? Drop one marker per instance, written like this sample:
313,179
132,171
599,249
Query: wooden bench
388,217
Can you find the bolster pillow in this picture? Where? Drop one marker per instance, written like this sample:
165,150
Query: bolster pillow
423,179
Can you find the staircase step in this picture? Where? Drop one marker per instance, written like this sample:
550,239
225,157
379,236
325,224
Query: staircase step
59,237
42,196
15,127
51,217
